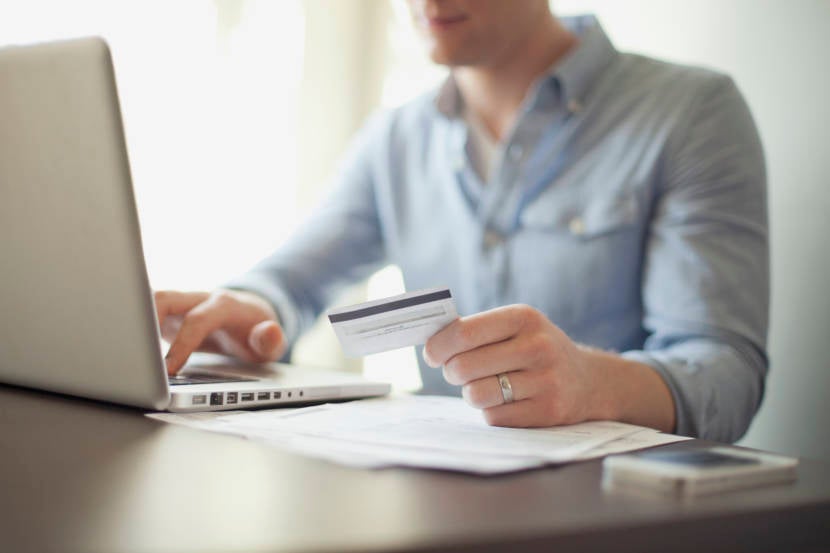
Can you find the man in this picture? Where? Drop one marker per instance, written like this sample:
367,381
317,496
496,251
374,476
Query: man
579,202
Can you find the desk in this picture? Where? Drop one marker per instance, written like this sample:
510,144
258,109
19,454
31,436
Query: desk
83,476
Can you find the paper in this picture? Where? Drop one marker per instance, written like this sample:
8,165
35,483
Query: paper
421,431
399,321
379,456
428,422
642,439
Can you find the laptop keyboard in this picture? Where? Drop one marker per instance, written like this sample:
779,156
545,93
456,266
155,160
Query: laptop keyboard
180,379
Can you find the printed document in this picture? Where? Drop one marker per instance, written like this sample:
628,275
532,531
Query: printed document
421,431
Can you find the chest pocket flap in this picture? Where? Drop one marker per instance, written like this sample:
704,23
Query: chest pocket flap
582,217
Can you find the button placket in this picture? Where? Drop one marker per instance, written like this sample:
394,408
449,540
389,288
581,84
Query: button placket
492,239
515,152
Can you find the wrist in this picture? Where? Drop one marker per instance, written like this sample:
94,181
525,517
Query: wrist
603,402
627,391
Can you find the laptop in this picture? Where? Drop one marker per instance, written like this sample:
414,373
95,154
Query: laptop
76,311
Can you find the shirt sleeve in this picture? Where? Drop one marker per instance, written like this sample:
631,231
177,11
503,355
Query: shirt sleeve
706,272
339,244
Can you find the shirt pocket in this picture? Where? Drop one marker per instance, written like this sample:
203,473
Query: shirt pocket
584,220
589,254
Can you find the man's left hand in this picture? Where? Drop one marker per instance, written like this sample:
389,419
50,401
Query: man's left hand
552,380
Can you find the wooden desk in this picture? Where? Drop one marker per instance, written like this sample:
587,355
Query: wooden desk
83,476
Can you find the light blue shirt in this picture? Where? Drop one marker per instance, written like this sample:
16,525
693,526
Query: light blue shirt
628,205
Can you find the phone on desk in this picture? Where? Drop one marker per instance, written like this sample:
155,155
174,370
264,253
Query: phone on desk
692,472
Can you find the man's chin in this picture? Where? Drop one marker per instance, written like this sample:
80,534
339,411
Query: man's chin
451,57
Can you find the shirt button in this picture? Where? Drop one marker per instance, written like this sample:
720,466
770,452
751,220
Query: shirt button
492,239
515,152
577,226
574,106
459,164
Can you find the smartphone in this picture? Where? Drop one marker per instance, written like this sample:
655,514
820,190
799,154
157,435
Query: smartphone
692,472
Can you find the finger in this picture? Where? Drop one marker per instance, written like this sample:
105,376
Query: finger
519,414
171,302
224,342
475,331
266,341
199,322
519,352
486,392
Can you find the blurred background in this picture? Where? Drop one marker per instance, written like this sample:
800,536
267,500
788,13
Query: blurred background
236,112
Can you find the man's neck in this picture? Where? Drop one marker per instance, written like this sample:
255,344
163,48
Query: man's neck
495,92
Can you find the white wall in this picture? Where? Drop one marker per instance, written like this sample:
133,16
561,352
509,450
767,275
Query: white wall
778,54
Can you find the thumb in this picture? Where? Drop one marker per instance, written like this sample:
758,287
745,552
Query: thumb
266,340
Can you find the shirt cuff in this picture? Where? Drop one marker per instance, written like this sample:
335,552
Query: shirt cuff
684,421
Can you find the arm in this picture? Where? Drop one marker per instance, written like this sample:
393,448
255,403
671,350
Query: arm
267,308
706,278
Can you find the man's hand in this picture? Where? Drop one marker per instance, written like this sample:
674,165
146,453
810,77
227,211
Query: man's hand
554,380
240,324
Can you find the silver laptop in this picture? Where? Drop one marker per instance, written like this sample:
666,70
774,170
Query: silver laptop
76,310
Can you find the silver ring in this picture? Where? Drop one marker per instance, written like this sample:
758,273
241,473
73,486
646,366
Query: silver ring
506,388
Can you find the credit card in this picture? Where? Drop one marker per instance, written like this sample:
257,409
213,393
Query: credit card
399,321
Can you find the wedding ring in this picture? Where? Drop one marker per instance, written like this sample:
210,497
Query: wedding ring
506,388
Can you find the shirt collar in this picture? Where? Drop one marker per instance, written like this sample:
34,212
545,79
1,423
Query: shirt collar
573,75
579,69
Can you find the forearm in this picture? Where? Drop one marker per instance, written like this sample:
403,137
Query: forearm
629,391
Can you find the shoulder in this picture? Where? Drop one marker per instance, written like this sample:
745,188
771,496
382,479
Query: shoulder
406,120
703,98
709,129
389,136
653,76
676,91
668,101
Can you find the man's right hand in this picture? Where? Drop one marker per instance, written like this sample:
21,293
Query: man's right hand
241,324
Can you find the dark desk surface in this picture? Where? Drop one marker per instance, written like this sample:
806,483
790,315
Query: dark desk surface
82,476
